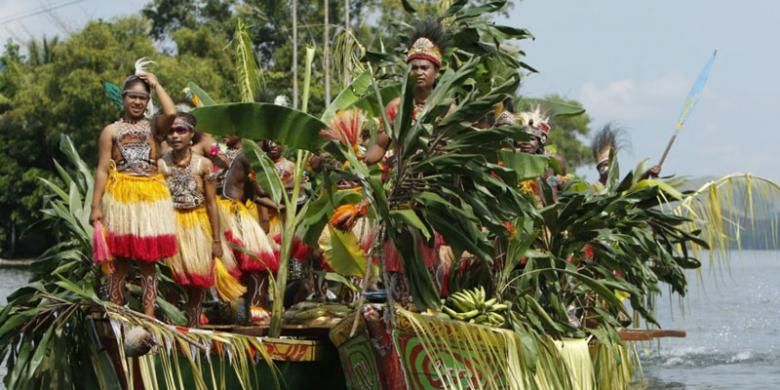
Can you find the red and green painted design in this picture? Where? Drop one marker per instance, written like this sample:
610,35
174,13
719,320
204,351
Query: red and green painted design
429,363
360,364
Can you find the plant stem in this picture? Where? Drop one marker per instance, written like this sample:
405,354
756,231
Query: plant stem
326,52
295,52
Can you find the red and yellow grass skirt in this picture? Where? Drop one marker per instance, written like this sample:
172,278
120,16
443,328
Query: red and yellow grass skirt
138,217
193,264
228,258
241,228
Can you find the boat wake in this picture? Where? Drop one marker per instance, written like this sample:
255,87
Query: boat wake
698,357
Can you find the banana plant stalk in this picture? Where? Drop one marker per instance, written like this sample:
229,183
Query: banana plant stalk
295,51
292,216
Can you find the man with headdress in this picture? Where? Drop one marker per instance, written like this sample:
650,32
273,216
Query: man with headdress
424,57
605,146
131,201
538,127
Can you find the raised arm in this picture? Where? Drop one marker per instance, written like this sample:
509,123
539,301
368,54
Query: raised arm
164,120
210,187
105,142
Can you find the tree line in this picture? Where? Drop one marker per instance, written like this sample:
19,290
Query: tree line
53,85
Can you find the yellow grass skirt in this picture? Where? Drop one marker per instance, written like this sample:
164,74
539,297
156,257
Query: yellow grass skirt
193,264
138,217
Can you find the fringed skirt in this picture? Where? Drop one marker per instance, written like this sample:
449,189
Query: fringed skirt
193,264
274,223
228,258
255,251
138,217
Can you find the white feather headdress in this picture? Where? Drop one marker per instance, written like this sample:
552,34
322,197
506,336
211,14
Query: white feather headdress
141,66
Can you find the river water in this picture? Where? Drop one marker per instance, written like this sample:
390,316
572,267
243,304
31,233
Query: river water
732,316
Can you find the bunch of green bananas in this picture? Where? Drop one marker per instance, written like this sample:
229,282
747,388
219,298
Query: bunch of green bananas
306,312
473,307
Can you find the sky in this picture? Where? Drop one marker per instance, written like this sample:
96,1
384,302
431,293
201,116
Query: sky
633,62
630,62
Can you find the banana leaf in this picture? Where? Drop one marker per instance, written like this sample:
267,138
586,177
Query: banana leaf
291,128
358,89
344,255
421,284
373,107
527,166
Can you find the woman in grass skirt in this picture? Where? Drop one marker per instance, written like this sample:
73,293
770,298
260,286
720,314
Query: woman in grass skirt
131,200
197,217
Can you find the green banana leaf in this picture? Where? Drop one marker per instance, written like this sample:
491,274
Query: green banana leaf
291,128
556,109
372,107
527,166
359,88
344,255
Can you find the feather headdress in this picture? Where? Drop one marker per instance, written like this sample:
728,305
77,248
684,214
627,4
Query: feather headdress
141,66
535,123
282,100
605,141
427,42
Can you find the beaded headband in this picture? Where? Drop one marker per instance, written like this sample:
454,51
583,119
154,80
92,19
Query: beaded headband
136,92
183,123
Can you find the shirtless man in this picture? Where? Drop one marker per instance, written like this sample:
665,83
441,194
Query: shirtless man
256,258
424,58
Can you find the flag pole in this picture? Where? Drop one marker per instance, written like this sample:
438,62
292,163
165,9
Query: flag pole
668,148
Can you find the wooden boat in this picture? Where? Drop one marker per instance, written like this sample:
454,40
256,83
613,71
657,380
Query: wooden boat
303,358
375,356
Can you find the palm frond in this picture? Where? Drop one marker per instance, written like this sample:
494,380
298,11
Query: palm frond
247,71
347,54
614,364
733,211
474,356
193,351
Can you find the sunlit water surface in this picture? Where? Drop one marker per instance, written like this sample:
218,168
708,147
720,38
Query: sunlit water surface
732,316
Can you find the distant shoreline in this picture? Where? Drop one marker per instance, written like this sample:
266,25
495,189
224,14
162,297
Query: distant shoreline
16,262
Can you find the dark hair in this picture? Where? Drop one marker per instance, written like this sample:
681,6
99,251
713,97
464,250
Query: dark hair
187,117
133,79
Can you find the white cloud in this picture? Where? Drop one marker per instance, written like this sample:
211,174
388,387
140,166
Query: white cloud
629,100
